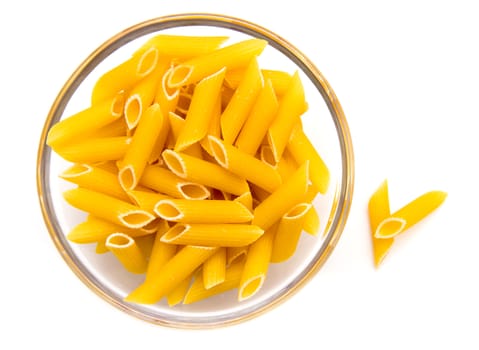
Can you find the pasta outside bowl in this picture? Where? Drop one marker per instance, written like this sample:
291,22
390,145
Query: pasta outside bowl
322,123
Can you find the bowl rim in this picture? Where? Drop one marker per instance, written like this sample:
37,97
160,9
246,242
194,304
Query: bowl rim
343,197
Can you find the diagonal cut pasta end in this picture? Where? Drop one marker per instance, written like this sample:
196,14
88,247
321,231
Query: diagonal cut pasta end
127,178
390,227
147,62
175,232
76,170
179,76
250,287
133,110
218,151
166,209
193,191
174,162
136,218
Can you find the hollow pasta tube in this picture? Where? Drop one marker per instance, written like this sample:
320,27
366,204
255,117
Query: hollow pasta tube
179,267
214,269
127,252
202,211
108,208
215,235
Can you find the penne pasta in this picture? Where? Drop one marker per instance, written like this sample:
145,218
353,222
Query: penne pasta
291,107
96,179
288,233
108,208
289,194
179,267
245,165
161,253
198,291
212,235
301,149
246,199
259,120
94,150
178,293
378,210
256,265
231,57
177,124
311,222
214,269
166,182
127,252
204,172
101,248
142,144
146,200
410,214
198,118
241,102
235,254
202,211
124,76
87,121
280,80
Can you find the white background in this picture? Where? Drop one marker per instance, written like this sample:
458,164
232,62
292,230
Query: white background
407,76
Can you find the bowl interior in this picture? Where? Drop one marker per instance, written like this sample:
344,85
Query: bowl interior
323,123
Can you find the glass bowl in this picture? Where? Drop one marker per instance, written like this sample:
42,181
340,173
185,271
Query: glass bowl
324,123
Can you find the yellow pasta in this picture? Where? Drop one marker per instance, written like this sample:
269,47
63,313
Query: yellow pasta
235,254
108,208
410,214
214,235
161,253
170,275
96,179
202,211
127,252
312,222
214,269
302,149
142,144
256,126
241,102
95,229
184,46
146,200
114,129
280,80
177,124
87,121
246,199
198,291
231,57
256,265
289,194
288,233
245,165
204,172
378,210
166,182
291,107
200,111
124,76
94,150
176,296
155,154
101,248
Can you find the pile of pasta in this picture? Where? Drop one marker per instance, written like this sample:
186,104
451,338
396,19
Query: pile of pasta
193,167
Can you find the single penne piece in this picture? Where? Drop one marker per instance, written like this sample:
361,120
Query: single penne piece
127,252
95,230
202,211
108,208
302,149
256,126
288,233
378,210
125,76
289,194
214,128
198,291
291,107
161,140
116,128
201,109
233,56
410,214
256,265
87,121
142,143
166,182
235,254
244,165
212,235
94,150
161,253
146,200
179,267
177,295
204,172
143,94
184,46
267,157
239,107
311,222
214,269
165,96
96,179
177,124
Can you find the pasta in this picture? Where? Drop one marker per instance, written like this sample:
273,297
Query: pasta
214,269
214,235
410,214
202,211
127,252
